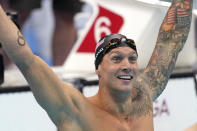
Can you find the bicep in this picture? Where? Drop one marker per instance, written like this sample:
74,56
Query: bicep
56,97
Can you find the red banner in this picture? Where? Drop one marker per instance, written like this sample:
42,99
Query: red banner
106,22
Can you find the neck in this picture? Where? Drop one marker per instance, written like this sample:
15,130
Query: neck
115,102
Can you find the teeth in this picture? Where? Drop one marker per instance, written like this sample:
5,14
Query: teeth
125,77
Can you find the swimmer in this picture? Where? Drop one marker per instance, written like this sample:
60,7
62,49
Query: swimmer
125,98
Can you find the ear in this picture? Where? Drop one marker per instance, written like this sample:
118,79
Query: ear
98,73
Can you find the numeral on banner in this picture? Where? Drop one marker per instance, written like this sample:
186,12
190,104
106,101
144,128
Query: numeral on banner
102,26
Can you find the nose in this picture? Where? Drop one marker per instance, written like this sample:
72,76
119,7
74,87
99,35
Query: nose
126,66
125,63
126,70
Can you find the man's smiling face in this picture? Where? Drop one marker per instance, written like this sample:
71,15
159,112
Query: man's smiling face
118,68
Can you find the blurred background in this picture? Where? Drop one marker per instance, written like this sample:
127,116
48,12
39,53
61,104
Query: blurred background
64,34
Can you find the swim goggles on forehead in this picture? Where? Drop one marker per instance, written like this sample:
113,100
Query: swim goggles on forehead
116,42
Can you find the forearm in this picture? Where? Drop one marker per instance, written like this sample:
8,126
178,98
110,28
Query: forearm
12,40
172,36
176,24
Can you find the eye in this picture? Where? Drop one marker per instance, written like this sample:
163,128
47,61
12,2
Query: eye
133,59
116,59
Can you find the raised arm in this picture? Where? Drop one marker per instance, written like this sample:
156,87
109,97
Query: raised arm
57,98
172,36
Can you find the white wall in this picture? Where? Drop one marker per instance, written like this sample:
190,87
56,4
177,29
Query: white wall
20,112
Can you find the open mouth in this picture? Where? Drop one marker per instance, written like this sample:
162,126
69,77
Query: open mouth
125,77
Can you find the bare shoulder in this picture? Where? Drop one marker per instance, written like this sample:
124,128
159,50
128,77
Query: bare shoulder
141,96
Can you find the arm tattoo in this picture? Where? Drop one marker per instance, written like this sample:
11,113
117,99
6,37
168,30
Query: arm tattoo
176,24
20,40
171,39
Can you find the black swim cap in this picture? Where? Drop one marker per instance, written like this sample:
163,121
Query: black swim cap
110,42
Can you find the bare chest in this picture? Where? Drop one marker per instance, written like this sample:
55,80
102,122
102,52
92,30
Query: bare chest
98,120
95,118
